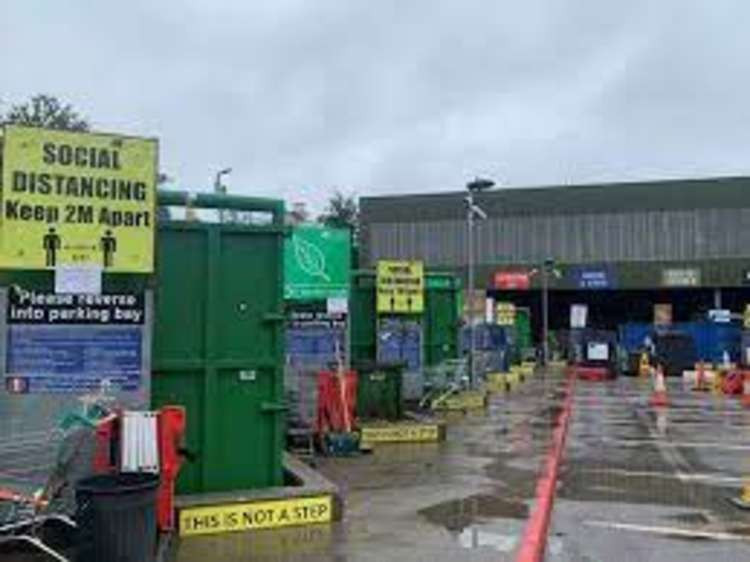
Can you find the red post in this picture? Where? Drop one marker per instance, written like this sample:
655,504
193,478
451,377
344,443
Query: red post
172,422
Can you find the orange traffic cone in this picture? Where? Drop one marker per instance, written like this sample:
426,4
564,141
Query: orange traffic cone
659,397
746,393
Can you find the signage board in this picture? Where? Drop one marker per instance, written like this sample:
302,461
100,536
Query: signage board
400,287
593,277
317,319
512,280
72,198
720,315
265,514
597,351
65,343
578,315
505,314
746,317
401,433
663,314
317,263
681,277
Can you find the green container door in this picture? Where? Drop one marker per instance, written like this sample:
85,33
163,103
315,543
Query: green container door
441,319
218,350
362,317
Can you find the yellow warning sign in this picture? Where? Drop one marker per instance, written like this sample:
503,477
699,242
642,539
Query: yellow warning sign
401,433
464,400
256,515
71,198
746,317
400,286
505,314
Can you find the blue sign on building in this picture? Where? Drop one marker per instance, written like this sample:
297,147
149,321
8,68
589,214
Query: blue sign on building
593,277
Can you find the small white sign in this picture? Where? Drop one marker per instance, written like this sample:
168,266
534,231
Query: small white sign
489,310
597,351
337,305
578,315
720,315
80,279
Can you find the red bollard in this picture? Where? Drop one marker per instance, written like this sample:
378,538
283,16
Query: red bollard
172,423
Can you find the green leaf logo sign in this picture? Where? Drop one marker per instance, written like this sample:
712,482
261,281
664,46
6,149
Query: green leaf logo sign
310,259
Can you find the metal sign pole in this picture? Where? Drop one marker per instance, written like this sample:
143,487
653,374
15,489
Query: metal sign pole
470,249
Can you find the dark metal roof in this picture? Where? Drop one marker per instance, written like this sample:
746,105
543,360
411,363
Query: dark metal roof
709,193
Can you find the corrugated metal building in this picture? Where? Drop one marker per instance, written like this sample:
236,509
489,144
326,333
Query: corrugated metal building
628,245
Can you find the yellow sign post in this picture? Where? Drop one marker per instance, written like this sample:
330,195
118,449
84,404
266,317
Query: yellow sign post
77,199
400,287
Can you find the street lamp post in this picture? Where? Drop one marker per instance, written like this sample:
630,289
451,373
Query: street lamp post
472,211
219,188
547,268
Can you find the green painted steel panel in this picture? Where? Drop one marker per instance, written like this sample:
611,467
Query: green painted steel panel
362,317
218,349
440,318
523,329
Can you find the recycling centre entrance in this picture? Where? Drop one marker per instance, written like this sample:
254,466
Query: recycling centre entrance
617,295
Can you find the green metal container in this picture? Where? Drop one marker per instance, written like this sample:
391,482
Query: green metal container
379,390
218,342
440,318
522,327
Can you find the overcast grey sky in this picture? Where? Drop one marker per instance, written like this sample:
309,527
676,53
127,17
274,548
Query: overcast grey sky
388,96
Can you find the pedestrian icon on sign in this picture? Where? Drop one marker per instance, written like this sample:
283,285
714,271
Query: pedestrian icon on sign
51,243
108,245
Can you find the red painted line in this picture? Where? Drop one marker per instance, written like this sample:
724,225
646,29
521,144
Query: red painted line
534,540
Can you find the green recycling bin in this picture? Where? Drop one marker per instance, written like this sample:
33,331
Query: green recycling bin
379,390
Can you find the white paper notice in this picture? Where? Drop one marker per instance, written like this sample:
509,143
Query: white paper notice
78,279
337,305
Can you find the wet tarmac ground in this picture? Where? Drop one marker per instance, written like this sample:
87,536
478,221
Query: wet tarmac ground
642,483
637,484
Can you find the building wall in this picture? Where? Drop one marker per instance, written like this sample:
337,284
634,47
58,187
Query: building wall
692,221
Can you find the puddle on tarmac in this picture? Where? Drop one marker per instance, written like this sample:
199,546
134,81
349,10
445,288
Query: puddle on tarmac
457,515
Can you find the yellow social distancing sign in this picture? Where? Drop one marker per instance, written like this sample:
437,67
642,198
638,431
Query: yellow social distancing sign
256,515
71,198
400,287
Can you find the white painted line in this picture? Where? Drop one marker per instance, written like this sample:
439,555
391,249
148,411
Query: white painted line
669,531
696,477
660,442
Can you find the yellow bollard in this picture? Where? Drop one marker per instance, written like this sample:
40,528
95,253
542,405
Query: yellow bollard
644,365
743,502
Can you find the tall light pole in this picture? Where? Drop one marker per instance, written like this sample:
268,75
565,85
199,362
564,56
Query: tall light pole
547,267
478,185
219,188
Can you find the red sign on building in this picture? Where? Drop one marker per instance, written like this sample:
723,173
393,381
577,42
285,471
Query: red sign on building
518,280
